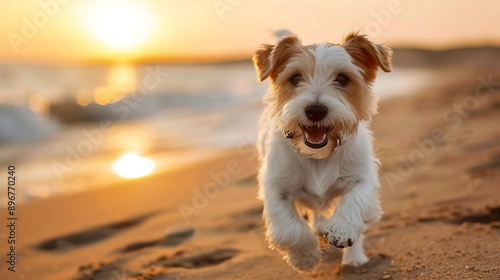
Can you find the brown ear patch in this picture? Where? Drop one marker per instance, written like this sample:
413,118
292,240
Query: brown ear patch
269,60
261,60
367,55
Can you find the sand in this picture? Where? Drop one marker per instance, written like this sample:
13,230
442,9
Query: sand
440,193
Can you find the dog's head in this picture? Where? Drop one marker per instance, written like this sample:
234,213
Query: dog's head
319,93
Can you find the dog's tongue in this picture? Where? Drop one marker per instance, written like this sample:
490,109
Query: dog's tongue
316,134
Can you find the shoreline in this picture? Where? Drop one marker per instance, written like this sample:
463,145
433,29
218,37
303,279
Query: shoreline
441,221
94,171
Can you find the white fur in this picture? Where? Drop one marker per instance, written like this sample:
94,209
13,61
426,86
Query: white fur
290,181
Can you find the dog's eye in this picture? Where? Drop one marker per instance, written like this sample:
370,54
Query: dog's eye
342,80
296,79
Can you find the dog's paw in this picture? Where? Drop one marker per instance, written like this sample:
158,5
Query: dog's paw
337,241
341,235
304,261
354,258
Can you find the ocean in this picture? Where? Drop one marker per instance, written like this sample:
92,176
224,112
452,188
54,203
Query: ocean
65,127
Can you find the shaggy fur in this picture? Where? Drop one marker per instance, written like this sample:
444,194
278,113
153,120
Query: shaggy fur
335,181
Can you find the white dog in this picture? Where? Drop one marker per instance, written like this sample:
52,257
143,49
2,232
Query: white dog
315,145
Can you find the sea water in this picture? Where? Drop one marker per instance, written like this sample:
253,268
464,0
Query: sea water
64,126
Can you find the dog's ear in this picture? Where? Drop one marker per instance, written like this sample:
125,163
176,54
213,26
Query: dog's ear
269,58
367,55
262,61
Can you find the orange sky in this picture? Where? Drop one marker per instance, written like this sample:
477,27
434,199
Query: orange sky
114,30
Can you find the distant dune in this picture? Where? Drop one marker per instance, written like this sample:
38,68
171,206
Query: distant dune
477,57
403,56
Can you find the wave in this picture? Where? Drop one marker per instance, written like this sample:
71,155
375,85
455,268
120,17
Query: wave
20,124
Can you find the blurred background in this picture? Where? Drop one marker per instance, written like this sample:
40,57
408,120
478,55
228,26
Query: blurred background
99,91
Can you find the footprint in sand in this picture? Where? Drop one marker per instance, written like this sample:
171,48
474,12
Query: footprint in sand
172,239
491,166
491,217
458,214
157,268
90,236
199,260
241,222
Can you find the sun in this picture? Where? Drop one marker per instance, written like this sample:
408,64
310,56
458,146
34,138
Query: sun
118,24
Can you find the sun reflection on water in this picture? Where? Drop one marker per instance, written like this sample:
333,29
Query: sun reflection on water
121,81
132,165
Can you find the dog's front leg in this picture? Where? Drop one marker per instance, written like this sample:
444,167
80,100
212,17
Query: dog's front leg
357,208
288,232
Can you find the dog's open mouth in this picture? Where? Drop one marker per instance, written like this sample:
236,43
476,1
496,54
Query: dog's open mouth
316,137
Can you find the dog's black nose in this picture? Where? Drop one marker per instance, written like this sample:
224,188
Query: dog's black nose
316,112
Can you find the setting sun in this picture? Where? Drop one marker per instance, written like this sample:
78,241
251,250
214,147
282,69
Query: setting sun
118,26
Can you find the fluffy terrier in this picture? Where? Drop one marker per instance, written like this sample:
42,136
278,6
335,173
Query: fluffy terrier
315,146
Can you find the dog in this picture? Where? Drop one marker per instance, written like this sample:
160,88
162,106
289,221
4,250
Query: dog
315,146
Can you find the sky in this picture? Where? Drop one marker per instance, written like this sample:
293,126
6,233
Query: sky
210,30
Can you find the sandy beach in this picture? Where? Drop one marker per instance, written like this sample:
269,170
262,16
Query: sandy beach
440,154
